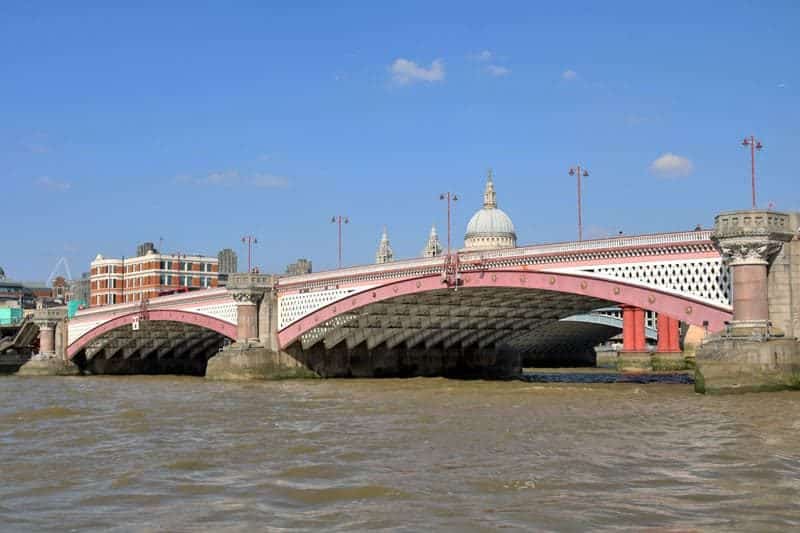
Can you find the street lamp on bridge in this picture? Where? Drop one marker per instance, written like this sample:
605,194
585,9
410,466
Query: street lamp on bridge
449,196
340,219
250,240
754,145
580,173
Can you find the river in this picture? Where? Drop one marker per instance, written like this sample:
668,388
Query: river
182,454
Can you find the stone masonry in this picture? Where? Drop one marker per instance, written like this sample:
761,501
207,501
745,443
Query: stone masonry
759,349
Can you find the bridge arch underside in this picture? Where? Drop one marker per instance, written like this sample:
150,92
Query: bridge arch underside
473,332
157,347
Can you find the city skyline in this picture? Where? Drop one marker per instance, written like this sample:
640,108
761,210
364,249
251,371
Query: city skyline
206,131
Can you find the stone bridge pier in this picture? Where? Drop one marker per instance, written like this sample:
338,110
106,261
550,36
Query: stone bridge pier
759,349
52,357
256,353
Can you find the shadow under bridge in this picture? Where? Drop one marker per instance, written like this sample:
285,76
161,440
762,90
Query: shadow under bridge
469,332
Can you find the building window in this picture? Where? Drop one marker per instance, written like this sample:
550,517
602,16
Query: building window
206,282
187,281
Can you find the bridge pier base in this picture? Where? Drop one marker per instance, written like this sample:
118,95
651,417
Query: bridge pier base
245,362
51,359
755,353
668,355
255,354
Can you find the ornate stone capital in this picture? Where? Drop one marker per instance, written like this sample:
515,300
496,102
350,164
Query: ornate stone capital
751,237
246,296
746,251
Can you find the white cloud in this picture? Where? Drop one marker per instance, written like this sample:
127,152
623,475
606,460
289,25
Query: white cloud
226,177
498,71
53,185
569,75
483,56
405,72
268,181
233,178
671,165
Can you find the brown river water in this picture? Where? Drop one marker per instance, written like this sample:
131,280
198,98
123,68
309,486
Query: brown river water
182,454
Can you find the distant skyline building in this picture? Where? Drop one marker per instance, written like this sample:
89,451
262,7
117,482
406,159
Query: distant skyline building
299,267
145,247
433,247
384,253
228,261
490,227
80,288
114,281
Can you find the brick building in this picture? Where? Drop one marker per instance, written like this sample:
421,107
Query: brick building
114,281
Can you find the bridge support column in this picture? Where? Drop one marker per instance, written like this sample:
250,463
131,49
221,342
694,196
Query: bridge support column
246,316
668,355
51,359
255,354
634,356
752,354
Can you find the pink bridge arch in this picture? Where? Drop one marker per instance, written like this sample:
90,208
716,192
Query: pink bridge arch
683,308
186,317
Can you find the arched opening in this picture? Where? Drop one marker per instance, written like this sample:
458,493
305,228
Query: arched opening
160,342
493,321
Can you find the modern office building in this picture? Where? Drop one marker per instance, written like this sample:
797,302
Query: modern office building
228,261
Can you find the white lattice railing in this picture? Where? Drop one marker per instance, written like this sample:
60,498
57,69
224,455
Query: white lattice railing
404,268
640,241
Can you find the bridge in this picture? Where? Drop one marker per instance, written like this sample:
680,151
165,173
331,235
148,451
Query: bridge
452,314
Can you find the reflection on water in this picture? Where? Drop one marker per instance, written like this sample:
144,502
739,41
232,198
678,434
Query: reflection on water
145,453
568,376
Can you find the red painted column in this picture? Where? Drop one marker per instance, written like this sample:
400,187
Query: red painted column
628,329
640,344
675,335
668,339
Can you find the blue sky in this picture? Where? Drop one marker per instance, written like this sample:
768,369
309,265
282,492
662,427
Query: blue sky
201,122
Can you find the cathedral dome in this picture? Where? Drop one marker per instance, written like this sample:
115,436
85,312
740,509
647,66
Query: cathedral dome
490,227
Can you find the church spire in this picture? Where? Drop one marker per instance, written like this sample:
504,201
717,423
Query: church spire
489,196
433,247
384,253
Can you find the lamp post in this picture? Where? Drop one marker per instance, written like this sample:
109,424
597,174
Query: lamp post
250,240
340,219
579,172
754,145
449,196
